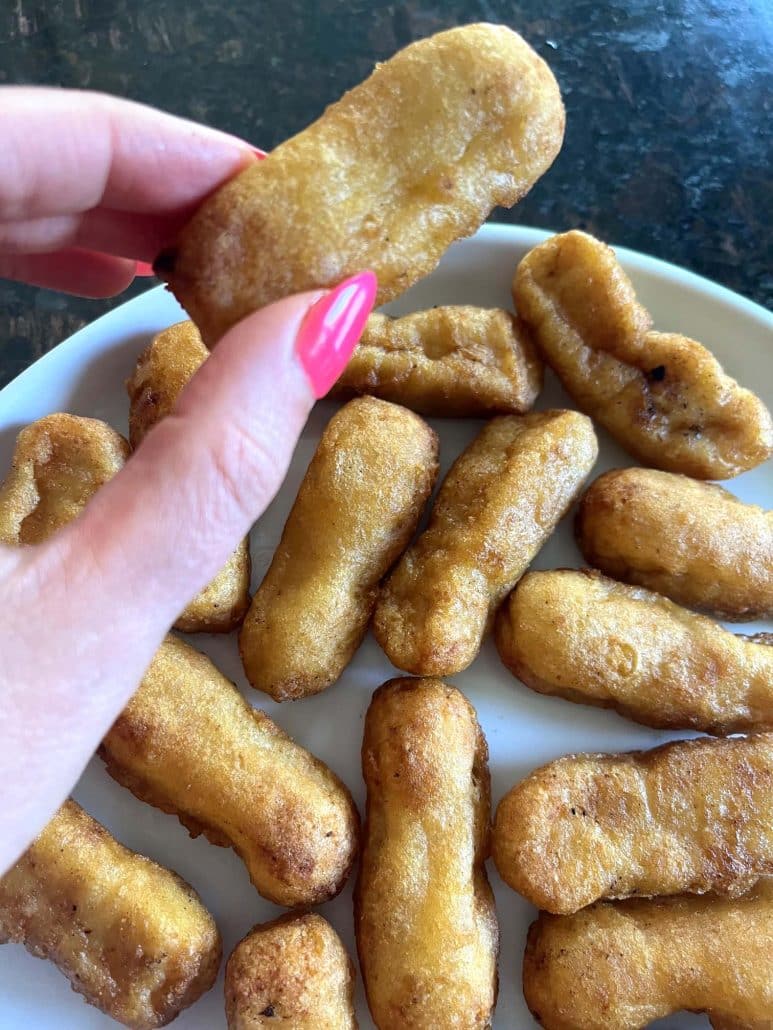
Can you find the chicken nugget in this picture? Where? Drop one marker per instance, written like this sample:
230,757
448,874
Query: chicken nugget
294,971
621,966
691,816
497,506
356,510
404,164
189,744
426,927
448,361
592,640
131,937
662,396
694,542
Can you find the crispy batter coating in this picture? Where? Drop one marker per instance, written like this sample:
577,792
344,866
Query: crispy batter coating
694,542
592,640
404,164
426,927
189,744
457,362
621,966
293,970
162,370
691,816
662,396
496,507
131,937
356,510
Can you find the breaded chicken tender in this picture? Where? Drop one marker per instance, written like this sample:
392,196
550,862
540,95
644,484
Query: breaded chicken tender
457,362
426,927
497,506
662,396
293,971
404,164
189,744
694,542
688,817
130,936
592,640
357,508
621,966
162,370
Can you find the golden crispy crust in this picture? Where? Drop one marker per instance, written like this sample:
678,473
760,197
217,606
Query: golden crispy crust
407,162
294,970
496,507
129,935
592,640
662,396
427,932
694,542
189,744
692,816
356,510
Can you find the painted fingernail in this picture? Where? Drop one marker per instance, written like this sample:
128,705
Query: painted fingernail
259,153
331,329
143,268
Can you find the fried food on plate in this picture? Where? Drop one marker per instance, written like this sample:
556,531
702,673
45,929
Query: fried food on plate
694,542
448,361
356,510
662,396
404,164
691,816
497,506
426,928
162,370
595,641
131,937
293,971
189,744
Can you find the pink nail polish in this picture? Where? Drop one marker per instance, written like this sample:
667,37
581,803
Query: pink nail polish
331,329
143,268
259,153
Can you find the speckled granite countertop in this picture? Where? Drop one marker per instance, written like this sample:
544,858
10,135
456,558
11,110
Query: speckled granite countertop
669,147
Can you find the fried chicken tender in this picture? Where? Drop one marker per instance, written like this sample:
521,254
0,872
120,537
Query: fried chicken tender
694,542
457,362
189,744
356,510
592,640
294,970
691,816
426,927
162,370
404,164
662,396
497,506
621,966
131,937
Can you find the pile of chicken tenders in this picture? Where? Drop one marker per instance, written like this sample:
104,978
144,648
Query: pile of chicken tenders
653,870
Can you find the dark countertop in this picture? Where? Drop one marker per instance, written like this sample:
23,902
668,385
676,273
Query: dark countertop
669,103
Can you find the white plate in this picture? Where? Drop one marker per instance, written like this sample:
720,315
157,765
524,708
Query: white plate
85,375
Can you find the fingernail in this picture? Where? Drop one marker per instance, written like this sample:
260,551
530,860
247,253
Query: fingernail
259,153
331,329
143,268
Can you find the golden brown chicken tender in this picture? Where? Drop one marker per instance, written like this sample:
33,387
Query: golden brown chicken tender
662,396
426,928
130,936
694,542
692,816
356,510
448,361
189,744
293,971
162,370
592,640
621,966
496,507
404,164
